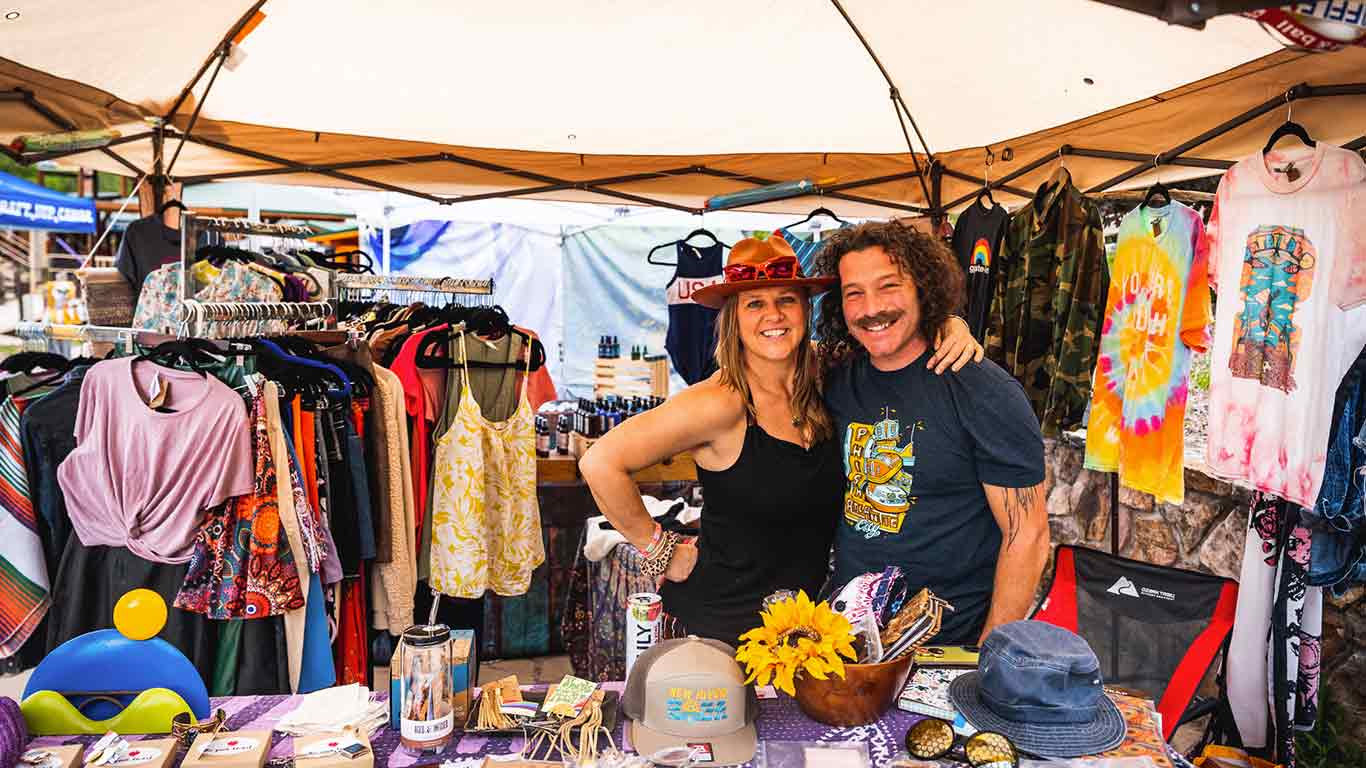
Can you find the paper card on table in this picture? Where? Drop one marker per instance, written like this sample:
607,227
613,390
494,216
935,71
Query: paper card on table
509,687
568,697
820,757
65,756
526,709
325,751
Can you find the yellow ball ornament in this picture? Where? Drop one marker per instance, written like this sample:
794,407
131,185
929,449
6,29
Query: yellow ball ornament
140,614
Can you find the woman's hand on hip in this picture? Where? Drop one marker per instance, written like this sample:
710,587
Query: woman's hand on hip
683,561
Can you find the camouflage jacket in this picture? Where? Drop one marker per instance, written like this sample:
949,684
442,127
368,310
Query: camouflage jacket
1047,301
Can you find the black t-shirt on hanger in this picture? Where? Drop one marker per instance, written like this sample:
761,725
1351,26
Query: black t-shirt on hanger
976,240
147,244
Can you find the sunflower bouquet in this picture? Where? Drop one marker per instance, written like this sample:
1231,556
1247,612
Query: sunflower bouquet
797,637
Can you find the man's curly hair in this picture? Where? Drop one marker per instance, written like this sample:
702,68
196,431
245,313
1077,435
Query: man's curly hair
926,260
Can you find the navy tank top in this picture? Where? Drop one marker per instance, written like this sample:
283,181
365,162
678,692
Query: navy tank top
691,339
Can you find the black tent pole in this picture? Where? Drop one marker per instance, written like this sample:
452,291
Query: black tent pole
898,104
1114,512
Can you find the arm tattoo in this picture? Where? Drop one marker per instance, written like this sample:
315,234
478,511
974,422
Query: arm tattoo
1018,502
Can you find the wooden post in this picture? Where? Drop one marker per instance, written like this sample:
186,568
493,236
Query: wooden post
37,258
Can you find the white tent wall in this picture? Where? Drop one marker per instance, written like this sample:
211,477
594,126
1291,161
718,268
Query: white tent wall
611,290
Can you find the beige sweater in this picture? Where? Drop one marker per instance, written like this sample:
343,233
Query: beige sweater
395,582
289,520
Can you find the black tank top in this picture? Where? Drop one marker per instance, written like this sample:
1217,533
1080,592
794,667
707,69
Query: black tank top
767,525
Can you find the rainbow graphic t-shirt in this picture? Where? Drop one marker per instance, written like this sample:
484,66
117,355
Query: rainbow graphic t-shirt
1157,312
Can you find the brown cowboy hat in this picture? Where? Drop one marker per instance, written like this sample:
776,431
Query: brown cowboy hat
755,263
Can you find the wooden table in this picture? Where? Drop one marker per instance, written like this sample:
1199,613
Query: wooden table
565,470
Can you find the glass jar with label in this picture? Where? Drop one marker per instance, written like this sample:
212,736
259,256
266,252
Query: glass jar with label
426,713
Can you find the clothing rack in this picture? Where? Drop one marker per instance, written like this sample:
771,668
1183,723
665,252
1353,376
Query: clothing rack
125,337
194,314
430,290
198,314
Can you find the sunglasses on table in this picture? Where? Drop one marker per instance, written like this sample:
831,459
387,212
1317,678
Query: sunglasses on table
776,268
934,739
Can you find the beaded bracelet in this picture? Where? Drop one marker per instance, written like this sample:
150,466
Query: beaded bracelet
654,542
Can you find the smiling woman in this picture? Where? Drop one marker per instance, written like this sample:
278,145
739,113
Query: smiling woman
760,436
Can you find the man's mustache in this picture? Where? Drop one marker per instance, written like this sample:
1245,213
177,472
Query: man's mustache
882,318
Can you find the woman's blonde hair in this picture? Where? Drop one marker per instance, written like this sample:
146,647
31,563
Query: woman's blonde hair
806,393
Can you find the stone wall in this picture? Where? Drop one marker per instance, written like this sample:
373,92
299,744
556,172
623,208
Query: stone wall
1206,533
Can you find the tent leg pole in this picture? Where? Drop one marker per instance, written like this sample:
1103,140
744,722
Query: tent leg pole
37,258
936,194
158,178
1114,512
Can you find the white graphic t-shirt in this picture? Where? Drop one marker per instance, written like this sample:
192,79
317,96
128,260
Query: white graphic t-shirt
1288,260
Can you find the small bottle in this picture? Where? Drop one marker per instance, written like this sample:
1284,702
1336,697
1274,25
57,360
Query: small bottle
616,348
542,437
562,434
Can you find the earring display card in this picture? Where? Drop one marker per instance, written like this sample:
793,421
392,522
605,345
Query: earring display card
66,756
242,749
333,751
812,754
156,753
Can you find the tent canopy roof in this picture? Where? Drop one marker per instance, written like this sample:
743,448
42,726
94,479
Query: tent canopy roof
471,99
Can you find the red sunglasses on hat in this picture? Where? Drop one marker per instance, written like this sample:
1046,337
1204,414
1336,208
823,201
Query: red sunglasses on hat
776,268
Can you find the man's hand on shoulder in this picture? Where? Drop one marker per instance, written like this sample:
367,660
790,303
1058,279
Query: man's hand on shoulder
954,346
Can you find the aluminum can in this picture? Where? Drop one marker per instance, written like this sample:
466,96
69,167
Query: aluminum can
644,624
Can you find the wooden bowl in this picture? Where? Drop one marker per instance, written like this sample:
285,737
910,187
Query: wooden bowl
865,693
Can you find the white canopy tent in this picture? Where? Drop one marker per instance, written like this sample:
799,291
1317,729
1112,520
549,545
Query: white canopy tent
656,103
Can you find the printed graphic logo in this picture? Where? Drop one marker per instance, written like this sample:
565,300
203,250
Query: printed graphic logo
232,746
138,756
680,291
696,705
981,257
877,465
702,752
1278,273
1123,587
1140,366
1127,588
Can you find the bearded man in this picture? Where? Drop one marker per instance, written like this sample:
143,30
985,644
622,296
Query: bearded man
945,473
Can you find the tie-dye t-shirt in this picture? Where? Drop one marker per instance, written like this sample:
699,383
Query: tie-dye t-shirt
1156,313
1288,259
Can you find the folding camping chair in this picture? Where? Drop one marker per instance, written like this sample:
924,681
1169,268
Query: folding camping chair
1156,630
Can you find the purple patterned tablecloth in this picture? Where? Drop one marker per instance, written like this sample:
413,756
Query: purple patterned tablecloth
779,720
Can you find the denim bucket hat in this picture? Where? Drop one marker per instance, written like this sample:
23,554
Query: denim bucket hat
1040,685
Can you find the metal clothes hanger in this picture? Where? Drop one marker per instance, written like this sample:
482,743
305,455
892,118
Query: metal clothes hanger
986,182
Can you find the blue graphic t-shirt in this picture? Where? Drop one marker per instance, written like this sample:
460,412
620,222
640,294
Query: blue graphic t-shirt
917,448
